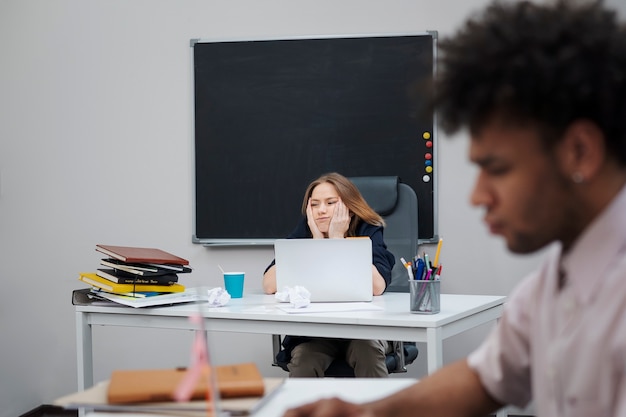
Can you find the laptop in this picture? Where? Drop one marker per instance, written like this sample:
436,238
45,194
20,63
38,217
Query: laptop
332,270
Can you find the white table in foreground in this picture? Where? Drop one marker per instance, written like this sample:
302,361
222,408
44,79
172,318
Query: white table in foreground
298,391
257,313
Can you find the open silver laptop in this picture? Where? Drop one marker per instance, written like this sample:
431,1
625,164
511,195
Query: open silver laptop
332,270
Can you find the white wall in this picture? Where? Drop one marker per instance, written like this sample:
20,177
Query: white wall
95,147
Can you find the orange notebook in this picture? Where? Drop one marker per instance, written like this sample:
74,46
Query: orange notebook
156,385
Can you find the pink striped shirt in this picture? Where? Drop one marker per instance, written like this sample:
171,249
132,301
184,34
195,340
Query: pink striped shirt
566,349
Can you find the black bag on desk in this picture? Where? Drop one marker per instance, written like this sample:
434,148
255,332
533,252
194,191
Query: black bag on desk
85,297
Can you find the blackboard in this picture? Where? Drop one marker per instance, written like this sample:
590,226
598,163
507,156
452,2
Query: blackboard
272,115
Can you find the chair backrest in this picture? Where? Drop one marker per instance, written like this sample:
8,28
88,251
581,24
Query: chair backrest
396,202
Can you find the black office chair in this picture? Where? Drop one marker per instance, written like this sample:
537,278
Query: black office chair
397,204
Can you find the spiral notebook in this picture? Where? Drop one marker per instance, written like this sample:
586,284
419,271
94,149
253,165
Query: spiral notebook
332,270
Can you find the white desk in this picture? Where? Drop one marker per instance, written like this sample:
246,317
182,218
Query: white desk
257,313
298,391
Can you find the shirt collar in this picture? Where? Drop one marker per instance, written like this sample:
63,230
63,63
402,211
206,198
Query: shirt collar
590,257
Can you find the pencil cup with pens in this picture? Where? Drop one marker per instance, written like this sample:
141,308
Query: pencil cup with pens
425,283
425,297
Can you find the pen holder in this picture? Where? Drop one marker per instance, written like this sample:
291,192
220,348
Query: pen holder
425,296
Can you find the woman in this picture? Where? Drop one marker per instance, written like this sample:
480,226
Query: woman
333,208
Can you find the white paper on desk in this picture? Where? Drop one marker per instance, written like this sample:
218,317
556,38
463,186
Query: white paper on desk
329,308
298,391
187,296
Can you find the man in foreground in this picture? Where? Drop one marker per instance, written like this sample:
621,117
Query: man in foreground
542,89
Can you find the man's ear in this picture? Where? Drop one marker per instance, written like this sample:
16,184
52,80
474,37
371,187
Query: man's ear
582,150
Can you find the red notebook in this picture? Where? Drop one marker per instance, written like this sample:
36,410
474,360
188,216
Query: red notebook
141,255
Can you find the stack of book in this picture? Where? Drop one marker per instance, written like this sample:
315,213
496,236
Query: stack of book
136,272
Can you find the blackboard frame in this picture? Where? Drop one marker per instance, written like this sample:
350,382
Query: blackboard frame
255,199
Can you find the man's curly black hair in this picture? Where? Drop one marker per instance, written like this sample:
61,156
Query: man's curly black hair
537,63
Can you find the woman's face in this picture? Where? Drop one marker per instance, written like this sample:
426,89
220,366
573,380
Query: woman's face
324,198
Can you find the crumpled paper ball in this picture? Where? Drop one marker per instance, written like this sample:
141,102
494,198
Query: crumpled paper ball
218,297
297,296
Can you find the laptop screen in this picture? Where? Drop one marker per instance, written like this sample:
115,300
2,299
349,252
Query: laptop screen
332,270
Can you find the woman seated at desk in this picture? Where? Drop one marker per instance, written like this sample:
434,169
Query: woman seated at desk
334,208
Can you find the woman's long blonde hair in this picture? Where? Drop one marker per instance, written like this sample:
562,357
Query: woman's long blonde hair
351,197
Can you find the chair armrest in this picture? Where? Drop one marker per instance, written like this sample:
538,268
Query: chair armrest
405,353
398,351
276,346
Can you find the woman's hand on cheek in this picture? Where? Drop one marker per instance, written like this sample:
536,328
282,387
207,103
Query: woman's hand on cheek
340,222
311,222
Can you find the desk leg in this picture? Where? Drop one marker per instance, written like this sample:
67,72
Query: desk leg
84,352
434,349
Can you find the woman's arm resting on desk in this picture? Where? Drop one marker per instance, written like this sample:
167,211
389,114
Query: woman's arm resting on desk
378,282
269,280
454,390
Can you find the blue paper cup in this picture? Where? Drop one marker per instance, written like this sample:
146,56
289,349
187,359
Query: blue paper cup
233,283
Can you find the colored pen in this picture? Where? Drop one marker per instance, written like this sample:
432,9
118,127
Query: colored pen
428,273
408,267
420,269
426,261
416,261
438,272
436,263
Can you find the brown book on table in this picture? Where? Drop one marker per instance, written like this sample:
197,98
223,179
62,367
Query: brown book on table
154,385
133,254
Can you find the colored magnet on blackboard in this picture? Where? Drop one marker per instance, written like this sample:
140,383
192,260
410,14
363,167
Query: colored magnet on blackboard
428,156
426,135
429,144
428,169
426,178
